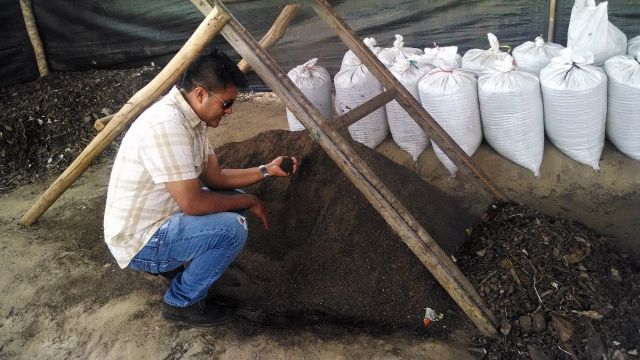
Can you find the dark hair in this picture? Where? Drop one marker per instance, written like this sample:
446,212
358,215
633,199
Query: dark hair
215,71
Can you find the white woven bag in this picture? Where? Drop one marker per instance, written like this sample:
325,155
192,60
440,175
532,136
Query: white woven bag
405,131
532,56
512,114
575,105
389,56
590,30
479,60
623,113
315,83
350,59
354,86
450,96
633,47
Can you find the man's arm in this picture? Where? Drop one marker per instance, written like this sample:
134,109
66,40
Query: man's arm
194,201
224,179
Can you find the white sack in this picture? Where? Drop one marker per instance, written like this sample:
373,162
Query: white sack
450,96
478,60
633,47
354,86
389,56
443,54
532,56
512,115
350,59
623,113
315,83
405,131
590,30
575,105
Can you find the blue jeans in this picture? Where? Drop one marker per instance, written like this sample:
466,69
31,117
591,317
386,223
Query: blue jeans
210,242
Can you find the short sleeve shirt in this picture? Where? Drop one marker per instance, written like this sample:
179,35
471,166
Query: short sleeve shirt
168,142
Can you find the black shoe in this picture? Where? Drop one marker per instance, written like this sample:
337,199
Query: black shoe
198,314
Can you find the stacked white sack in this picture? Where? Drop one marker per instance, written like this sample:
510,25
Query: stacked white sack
389,56
512,115
633,47
355,85
350,59
590,30
575,105
440,54
532,56
405,131
315,83
478,60
623,114
450,96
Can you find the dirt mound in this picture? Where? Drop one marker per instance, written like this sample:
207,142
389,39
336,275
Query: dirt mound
328,254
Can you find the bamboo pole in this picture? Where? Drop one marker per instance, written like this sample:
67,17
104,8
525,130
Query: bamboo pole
552,20
275,33
34,36
211,26
358,172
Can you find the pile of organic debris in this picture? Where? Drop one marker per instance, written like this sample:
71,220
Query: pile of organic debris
45,124
557,287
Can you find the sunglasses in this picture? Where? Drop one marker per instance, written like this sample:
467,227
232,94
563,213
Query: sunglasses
225,104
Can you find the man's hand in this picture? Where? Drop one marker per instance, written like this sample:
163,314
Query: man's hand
274,168
260,211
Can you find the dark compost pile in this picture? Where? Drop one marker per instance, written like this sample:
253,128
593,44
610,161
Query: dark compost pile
46,123
328,255
558,287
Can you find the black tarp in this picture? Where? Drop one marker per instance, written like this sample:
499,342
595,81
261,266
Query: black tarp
17,60
125,33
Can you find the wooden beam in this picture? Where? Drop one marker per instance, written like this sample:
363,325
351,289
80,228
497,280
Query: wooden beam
102,122
203,35
34,36
274,34
356,169
404,98
363,110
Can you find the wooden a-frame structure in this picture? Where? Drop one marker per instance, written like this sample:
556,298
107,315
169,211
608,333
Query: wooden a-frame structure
219,20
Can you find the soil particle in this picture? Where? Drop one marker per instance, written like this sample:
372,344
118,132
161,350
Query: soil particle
287,165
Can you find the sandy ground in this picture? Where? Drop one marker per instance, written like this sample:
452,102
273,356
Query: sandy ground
63,296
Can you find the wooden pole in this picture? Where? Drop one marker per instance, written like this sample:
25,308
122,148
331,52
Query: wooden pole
275,33
211,26
34,36
356,169
552,20
102,122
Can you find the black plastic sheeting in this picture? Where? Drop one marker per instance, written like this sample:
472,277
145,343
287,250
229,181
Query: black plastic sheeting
17,61
96,34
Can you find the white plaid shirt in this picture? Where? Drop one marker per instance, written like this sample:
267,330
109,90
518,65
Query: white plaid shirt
168,142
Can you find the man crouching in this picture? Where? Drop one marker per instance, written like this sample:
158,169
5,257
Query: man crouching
166,204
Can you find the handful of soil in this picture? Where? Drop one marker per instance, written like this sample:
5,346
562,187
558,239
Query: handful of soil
287,165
